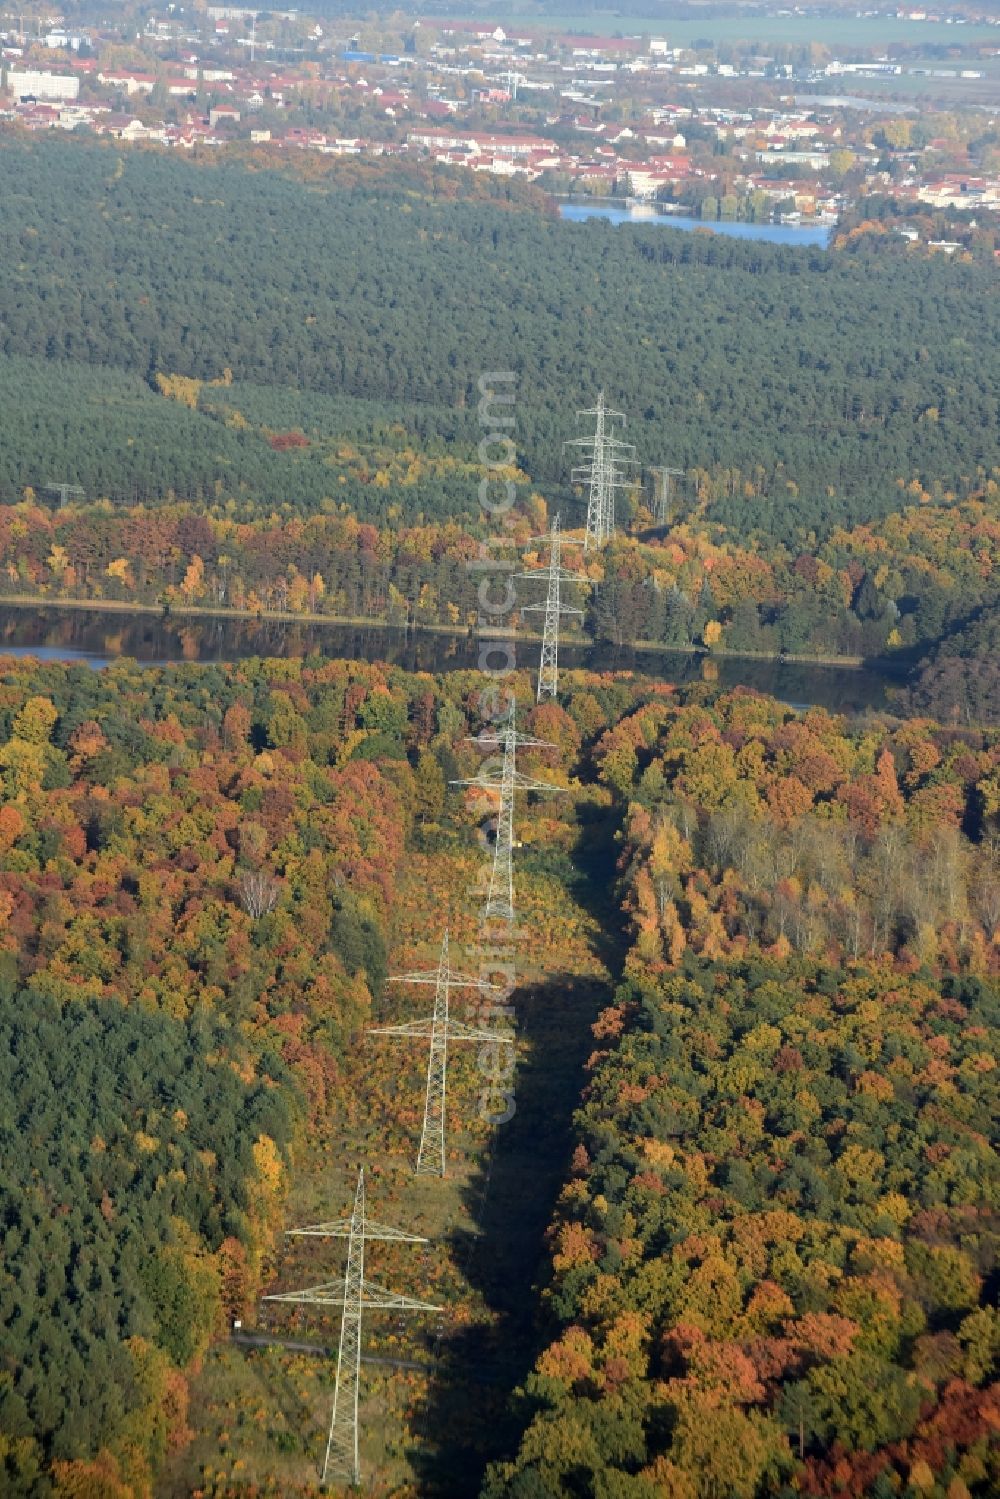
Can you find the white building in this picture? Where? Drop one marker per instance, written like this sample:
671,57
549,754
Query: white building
32,83
128,82
71,41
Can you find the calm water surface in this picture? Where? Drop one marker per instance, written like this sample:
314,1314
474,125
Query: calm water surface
96,639
779,234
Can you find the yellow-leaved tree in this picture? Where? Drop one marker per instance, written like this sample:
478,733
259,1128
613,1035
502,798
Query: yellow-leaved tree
180,388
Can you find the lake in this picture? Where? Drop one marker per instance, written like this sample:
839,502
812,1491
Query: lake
97,638
778,234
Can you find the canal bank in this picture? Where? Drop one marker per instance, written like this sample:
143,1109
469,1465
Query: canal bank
96,635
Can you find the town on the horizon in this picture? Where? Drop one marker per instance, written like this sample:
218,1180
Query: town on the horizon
789,132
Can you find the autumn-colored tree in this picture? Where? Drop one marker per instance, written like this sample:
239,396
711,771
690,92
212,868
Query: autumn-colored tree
99,1479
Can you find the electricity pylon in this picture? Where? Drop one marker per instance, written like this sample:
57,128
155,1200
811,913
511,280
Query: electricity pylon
441,1029
66,492
595,471
548,669
352,1294
500,900
661,499
602,472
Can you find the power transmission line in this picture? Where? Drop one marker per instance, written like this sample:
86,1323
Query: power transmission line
65,491
661,496
440,1029
352,1294
602,473
548,669
500,900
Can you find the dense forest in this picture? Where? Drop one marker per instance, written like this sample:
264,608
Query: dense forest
800,373
199,872
839,487
962,678
739,1238
190,907
773,1265
750,827
781,1188
260,449
135,1181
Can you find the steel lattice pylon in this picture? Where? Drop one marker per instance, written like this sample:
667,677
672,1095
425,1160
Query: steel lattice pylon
596,498
500,900
548,669
352,1294
661,496
602,473
441,1029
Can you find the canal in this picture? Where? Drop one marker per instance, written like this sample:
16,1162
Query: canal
98,637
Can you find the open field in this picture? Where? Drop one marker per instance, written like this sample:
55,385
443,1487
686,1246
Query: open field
842,31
